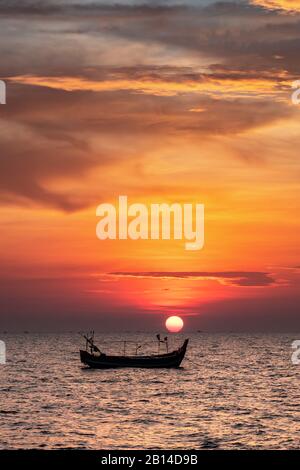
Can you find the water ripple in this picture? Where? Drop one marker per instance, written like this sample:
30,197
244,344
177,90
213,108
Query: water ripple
244,393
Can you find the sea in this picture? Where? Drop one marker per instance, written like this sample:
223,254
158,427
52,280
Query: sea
233,391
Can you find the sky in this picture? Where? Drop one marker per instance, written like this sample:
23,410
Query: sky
162,101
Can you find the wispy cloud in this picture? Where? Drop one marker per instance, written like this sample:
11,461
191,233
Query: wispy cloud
228,85
232,278
286,5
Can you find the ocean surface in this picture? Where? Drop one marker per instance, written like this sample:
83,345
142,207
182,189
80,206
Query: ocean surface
233,392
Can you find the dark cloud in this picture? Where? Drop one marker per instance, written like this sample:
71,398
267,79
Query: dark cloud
234,278
37,148
27,166
233,32
47,133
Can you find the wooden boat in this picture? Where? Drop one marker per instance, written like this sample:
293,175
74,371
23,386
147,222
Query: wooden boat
98,360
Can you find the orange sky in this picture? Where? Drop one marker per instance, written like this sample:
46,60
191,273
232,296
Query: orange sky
174,103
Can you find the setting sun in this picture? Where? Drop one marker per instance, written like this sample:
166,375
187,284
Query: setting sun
174,324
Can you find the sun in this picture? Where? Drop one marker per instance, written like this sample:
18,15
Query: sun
174,324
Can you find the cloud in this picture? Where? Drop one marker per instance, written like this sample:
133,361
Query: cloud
65,135
226,85
138,71
286,5
232,278
31,161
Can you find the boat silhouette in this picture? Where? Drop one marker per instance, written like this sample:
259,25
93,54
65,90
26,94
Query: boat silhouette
96,359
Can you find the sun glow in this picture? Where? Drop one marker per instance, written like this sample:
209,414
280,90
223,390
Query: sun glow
174,324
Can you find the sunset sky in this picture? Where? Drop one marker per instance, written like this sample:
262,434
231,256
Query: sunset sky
162,101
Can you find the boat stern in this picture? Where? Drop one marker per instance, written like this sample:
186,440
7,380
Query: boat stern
84,356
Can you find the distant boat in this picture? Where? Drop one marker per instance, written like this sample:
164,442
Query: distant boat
98,360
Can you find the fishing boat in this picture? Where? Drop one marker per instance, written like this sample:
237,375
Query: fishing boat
96,359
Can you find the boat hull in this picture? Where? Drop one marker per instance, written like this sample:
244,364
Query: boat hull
169,360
